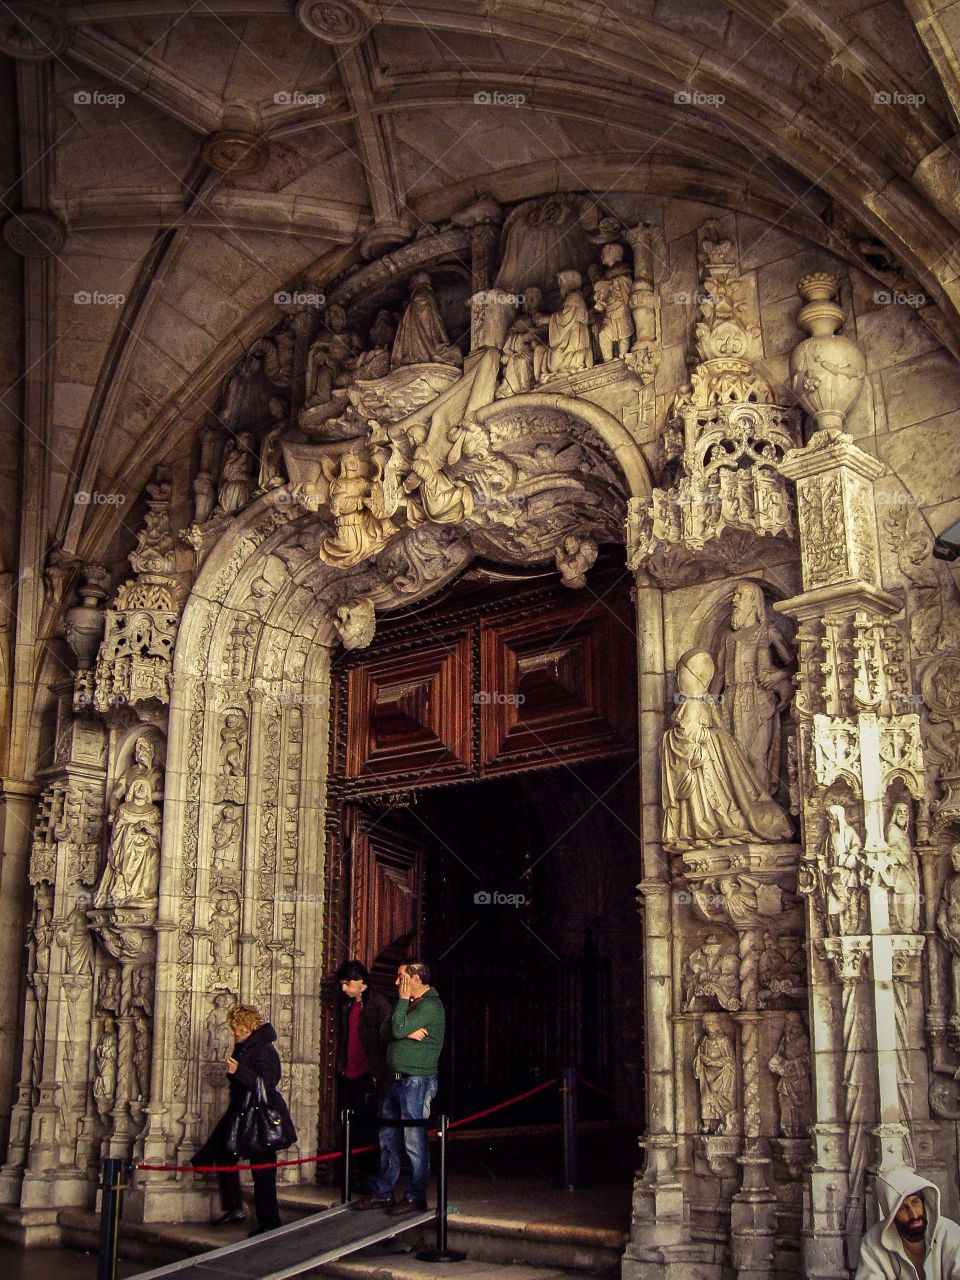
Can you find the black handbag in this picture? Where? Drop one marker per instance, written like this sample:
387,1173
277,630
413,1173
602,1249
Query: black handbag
262,1127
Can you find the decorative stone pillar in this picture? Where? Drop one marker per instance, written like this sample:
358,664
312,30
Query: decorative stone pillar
857,744
490,316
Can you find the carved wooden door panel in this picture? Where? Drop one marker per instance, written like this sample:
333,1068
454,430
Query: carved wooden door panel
388,894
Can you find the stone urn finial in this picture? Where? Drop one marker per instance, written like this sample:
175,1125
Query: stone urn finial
826,369
83,624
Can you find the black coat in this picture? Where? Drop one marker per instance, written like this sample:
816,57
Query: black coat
255,1057
376,1008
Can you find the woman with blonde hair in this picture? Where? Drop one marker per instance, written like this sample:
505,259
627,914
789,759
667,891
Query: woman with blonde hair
252,1058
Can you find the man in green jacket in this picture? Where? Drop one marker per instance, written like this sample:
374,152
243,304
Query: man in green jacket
413,1035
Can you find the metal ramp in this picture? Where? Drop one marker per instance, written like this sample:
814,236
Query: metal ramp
294,1249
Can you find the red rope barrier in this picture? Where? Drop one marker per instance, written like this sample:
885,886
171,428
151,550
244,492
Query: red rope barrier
596,1088
330,1155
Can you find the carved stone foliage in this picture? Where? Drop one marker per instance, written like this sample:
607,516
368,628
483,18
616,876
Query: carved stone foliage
135,660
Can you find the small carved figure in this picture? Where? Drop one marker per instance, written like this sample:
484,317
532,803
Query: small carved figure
948,926
568,333
791,1063
714,1067
421,337
575,556
899,873
755,690
236,475
75,938
141,1057
133,860
359,529
108,998
839,869
40,935
218,1038
225,929
355,623
712,973
232,744
226,834
710,793
142,989
611,297
105,1077
519,348
438,498
780,967
332,357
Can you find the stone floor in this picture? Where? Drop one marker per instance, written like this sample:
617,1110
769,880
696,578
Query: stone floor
65,1264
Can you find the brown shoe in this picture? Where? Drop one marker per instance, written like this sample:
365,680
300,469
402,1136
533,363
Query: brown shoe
371,1202
406,1206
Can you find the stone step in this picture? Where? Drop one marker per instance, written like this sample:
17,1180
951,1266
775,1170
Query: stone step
376,1265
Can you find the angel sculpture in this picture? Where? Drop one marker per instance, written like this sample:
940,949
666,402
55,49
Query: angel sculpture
356,505
438,498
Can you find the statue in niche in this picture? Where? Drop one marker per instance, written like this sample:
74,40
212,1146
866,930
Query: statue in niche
74,937
948,926
899,873
226,835
520,346
839,873
218,1038
332,357
231,744
611,298
144,765
225,929
436,497
355,623
780,967
108,999
131,875
142,992
105,1069
359,529
141,1057
569,349
711,972
791,1064
755,690
40,936
575,557
714,1066
710,793
421,337
236,475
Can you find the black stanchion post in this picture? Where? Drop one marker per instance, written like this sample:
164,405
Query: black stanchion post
111,1201
569,1180
441,1253
347,1144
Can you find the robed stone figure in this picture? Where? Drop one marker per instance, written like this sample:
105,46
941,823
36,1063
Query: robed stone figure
710,792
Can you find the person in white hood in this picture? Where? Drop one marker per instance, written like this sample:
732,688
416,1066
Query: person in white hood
911,1241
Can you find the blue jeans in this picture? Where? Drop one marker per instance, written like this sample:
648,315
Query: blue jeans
406,1099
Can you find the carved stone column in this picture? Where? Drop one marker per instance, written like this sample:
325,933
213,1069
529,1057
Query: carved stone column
856,741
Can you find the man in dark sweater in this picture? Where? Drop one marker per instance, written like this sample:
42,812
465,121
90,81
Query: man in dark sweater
361,1054
413,1036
